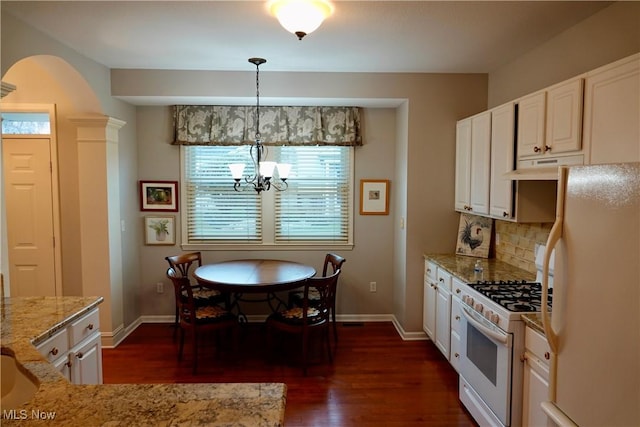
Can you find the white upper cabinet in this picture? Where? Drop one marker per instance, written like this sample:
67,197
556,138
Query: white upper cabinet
531,116
463,165
502,161
564,117
550,126
480,162
612,112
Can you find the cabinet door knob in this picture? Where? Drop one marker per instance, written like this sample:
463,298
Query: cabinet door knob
456,355
54,351
90,326
457,317
441,280
79,355
547,148
523,358
458,290
505,214
536,149
547,355
68,364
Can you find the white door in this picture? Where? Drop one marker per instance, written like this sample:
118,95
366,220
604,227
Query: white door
29,205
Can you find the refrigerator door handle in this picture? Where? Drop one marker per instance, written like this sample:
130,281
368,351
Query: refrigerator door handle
554,236
556,415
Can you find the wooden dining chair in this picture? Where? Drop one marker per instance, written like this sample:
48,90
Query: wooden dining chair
295,297
198,319
184,266
307,318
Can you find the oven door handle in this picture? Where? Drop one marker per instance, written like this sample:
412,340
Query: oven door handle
501,338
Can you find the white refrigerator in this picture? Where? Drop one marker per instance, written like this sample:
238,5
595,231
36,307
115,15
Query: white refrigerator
593,328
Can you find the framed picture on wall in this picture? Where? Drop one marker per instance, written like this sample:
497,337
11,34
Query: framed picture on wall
374,197
159,196
474,236
159,230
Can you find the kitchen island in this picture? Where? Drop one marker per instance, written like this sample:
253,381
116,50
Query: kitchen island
26,322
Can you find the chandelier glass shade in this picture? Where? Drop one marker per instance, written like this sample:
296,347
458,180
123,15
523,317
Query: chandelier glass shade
300,17
262,177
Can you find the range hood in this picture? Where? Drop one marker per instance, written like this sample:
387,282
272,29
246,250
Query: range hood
542,169
533,174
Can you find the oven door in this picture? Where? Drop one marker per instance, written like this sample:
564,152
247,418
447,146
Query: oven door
486,358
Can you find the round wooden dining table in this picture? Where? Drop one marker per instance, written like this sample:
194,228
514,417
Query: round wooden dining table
254,276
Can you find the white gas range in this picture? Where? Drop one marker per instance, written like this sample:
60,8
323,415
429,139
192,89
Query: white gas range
492,341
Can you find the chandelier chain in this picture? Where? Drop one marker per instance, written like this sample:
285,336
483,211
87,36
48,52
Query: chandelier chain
258,136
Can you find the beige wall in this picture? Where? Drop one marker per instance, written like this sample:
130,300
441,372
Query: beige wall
45,71
412,144
609,35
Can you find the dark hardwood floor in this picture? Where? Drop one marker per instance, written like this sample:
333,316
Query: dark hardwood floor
377,379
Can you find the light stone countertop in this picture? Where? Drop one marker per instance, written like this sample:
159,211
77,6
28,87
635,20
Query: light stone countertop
462,267
25,322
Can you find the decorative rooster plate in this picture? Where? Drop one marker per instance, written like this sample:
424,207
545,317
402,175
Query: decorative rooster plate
474,236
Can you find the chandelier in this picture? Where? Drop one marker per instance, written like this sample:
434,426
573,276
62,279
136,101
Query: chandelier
262,177
300,17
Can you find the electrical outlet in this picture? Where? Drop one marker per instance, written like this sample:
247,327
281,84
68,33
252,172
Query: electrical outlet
159,287
372,286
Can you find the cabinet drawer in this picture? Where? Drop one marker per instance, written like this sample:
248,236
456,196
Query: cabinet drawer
537,344
56,346
444,279
430,272
84,327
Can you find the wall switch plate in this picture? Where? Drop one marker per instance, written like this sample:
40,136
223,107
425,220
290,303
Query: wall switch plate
373,286
159,287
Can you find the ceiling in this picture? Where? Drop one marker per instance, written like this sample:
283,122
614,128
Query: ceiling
361,36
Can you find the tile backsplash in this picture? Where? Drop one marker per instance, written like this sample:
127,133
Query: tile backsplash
515,243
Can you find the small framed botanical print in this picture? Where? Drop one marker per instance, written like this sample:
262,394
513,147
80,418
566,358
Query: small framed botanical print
159,196
374,197
159,230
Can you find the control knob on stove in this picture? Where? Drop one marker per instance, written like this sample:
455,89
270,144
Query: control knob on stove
468,300
478,307
488,314
495,318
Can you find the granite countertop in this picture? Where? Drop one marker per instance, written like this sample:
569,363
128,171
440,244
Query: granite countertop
462,267
26,322
534,321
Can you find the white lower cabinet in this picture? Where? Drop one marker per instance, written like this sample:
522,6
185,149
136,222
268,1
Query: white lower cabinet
536,379
454,357
86,362
76,350
436,315
429,300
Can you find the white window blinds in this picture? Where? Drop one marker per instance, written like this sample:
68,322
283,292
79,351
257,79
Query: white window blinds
315,207
215,212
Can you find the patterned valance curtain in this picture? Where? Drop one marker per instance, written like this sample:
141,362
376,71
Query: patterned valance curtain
235,125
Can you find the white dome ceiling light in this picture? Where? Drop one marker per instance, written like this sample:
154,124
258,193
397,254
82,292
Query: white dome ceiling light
300,17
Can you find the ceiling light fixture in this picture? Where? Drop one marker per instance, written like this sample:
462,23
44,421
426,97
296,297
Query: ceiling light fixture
300,17
262,170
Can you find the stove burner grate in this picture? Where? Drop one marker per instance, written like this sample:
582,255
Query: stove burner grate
514,295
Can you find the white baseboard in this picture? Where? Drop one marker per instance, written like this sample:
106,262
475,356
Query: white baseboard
257,318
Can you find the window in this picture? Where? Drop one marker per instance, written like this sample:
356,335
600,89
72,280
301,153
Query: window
25,123
316,209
